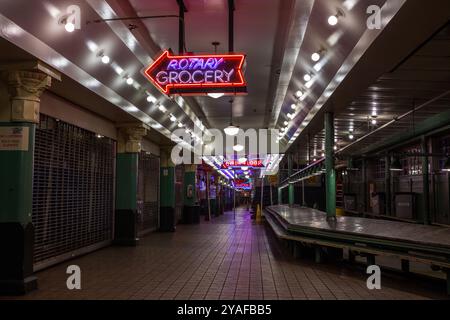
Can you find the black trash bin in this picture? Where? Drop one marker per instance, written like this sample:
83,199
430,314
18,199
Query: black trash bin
167,219
191,214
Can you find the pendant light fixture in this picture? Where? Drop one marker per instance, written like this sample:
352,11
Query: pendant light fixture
231,130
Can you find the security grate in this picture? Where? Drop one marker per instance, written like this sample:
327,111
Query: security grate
148,193
73,189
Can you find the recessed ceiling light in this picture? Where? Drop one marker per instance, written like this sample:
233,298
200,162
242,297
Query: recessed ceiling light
70,27
151,99
351,137
106,59
180,125
293,106
374,121
307,77
173,118
130,81
286,123
315,57
333,20
299,94
162,108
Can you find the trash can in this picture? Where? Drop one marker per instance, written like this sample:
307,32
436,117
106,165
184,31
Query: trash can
405,205
378,203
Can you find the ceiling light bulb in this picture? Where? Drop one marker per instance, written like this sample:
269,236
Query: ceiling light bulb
294,106
180,125
333,20
130,81
299,94
162,108
286,123
238,148
374,121
290,116
70,27
151,99
315,57
173,118
106,59
242,160
351,137
307,77
231,130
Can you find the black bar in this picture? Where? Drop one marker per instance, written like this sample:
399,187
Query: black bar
231,25
181,30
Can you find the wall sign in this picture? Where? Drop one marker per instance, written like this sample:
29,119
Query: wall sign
14,138
236,164
198,74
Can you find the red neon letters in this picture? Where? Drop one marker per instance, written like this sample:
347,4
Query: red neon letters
199,74
249,163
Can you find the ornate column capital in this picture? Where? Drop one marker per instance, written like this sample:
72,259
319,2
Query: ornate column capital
25,88
130,139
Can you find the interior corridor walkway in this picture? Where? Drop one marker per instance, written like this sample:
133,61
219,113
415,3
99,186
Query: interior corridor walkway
223,259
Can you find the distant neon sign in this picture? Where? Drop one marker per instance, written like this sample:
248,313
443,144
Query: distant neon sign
249,163
242,184
198,74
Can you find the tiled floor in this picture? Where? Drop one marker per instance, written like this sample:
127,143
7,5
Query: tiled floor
224,259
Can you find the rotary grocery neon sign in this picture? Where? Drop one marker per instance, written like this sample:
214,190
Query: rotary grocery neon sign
198,74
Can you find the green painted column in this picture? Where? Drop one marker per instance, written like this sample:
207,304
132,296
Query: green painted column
426,183
330,178
191,208
291,186
19,114
127,170
387,185
126,181
167,192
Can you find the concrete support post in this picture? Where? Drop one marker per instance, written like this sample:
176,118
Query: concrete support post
426,183
19,114
329,165
167,192
129,147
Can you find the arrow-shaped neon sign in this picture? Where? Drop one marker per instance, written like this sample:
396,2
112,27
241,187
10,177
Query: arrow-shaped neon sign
198,74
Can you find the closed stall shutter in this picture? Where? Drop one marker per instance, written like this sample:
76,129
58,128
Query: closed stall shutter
148,193
73,191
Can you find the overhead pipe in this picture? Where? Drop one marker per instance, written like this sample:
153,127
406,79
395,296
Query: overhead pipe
231,9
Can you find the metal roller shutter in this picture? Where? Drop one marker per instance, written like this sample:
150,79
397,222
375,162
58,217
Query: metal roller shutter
148,193
73,191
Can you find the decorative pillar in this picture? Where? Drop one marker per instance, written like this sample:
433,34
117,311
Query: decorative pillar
191,209
167,192
330,179
387,185
128,149
291,185
426,182
19,114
